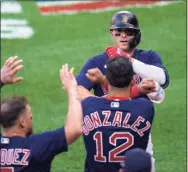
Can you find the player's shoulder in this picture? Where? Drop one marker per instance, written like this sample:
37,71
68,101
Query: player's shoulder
149,53
143,102
16,141
92,100
99,57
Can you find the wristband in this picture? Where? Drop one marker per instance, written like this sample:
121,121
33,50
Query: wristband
134,91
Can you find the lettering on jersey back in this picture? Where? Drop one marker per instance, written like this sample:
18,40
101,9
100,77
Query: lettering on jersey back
14,156
94,120
137,79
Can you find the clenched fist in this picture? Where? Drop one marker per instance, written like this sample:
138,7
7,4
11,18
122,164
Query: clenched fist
146,86
95,76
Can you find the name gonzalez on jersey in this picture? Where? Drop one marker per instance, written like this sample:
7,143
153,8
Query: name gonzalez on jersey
92,121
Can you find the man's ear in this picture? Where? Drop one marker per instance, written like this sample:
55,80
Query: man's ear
22,122
111,33
132,82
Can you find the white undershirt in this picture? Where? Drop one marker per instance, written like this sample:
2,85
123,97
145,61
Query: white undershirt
149,71
155,73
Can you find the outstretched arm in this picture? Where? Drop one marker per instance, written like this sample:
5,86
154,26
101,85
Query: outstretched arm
73,124
83,93
147,87
48,144
149,71
154,68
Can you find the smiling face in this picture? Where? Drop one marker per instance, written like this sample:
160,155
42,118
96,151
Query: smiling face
121,37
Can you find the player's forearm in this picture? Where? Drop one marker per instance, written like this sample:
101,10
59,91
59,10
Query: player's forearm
73,125
149,71
83,93
74,110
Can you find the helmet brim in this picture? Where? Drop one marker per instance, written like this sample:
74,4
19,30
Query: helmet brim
124,26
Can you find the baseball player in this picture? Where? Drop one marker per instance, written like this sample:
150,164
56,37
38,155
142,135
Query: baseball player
126,34
116,123
20,149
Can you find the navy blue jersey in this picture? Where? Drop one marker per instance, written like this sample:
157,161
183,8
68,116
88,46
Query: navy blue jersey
31,154
100,61
111,127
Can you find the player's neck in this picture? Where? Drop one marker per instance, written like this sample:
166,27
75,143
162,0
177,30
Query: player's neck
130,52
11,132
119,92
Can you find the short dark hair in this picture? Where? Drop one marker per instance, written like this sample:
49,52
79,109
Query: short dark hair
119,72
11,109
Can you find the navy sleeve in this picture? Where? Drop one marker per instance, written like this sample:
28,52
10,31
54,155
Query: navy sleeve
48,144
81,77
155,60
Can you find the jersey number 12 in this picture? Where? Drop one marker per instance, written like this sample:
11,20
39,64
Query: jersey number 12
113,154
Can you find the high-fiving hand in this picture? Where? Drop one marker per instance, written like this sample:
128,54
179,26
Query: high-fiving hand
95,76
10,68
67,78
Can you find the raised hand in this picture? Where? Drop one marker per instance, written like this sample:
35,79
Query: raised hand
10,68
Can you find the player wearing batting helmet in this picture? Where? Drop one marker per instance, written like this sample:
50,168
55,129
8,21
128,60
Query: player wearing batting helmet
127,22
126,35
